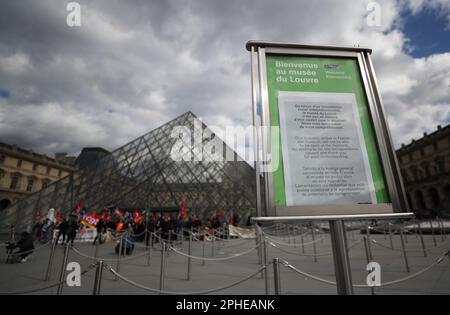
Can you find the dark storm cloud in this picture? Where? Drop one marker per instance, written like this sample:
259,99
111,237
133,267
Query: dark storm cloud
133,65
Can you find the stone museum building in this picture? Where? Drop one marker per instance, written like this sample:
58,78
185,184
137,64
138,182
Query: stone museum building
23,172
425,167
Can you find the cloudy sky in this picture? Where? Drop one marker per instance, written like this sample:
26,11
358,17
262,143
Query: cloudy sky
133,65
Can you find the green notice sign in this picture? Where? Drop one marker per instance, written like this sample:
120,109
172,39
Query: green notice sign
327,143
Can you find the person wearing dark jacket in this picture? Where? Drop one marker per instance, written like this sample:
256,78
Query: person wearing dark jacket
72,231
100,230
25,245
63,229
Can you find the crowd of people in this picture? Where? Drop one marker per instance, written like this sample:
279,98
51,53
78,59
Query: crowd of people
112,222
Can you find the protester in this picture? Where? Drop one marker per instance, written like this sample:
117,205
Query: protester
72,230
63,230
25,245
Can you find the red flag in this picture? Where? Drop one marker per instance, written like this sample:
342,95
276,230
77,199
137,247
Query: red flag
78,207
183,210
137,217
38,216
59,217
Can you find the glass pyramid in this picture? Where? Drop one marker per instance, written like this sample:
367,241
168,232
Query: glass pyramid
142,174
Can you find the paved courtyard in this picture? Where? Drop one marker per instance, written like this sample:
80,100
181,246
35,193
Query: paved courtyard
218,271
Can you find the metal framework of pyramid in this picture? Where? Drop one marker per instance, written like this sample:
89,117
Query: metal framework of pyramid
142,174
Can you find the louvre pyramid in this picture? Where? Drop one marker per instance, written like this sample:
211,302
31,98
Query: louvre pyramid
142,174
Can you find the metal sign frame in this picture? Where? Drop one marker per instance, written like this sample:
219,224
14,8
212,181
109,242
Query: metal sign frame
393,181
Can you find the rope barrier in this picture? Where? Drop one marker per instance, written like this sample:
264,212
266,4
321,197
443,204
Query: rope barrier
46,287
140,286
294,245
222,258
390,283
30,251
107,259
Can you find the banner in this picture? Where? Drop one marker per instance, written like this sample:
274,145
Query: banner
241,232
91,220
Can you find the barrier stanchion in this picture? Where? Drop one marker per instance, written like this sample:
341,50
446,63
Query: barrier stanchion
422,240
391,240
266,272
213,238
62,272
441,227
98,278
302,238
149,249
368,258
276,276
432,232
340,256
314,242
50,261
405,256
119,254
163,267
203,250
369,243
189,258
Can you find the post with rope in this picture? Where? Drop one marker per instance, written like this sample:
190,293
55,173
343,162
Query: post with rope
341,259
441,226
203,248
276,276
50,261
368,258
119,254
405,255
432,233
163,266
314,241
189,256
422,240
62,272
149,249
391,240
266,271
98,277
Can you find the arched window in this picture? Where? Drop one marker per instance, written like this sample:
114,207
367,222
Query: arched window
420,201
434,197
4,203
30,184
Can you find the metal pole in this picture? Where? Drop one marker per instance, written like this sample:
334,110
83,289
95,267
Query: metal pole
146,228
441,225
163,267
369,243
97,244
303,242
432,232
405,256
62,273
368,258
149,248
213,238
422,240
390,235
203,249
119,254
98,278
314,243
266,272
341,259
276,276
50,261
189,258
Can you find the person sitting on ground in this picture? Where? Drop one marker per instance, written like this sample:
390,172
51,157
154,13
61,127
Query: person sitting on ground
25,245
